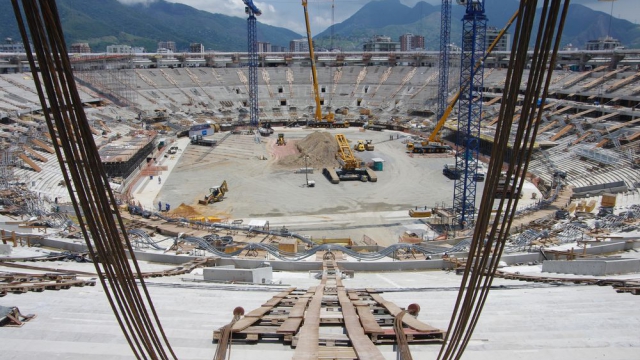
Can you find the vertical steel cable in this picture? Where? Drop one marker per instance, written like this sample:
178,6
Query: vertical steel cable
486,249
89,190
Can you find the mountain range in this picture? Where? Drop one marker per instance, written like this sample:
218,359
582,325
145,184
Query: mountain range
582,24
106,22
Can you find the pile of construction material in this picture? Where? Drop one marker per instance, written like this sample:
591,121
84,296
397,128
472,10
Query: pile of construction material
321,148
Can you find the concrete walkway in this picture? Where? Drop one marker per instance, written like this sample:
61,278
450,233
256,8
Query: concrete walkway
146,190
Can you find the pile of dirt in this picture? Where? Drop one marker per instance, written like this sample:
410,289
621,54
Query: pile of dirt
320,146
184,211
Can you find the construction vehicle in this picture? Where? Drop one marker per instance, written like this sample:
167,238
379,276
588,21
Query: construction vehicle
420,212
172,150
369,145
350,169
216,194
450,171
428,147
327,120
281,141
359,146
434,144
199,140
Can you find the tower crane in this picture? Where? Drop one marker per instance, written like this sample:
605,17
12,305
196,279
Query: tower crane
252,34
320,120
474,29
443,60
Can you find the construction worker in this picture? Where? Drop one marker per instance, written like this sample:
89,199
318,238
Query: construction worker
159,205
159,180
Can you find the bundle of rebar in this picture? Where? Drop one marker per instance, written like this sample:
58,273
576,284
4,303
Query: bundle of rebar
91,195
489,240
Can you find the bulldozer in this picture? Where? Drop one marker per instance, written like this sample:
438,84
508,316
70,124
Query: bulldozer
216,194
281,141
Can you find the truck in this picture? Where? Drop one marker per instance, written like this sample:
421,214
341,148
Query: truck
427,147
199,140
450,171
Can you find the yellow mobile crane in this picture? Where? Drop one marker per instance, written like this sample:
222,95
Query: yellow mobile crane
328,120
434,144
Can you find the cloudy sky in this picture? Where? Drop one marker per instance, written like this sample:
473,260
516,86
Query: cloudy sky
289,13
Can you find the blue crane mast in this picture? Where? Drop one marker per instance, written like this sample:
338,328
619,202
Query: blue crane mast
443,60
474,28
252,34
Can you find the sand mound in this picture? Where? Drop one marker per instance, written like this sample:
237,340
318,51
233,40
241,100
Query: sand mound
184,211
321,146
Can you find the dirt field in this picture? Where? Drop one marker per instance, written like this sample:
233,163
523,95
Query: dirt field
271,189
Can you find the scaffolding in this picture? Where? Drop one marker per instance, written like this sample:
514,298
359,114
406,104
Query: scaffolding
7,162
116,81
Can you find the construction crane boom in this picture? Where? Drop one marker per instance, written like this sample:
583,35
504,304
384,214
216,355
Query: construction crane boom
445,115
319,119
314,74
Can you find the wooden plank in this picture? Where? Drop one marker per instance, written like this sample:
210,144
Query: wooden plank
582,113
43,146
34,153
368,321
493,101
547,127
562,132
307,347
602,118
582,137
560,111
407,320
334,352
290,326
365,349
30,162
299,308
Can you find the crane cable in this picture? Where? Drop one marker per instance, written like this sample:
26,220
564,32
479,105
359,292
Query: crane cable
101,225
486,248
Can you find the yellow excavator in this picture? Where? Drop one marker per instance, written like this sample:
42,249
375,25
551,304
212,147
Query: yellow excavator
319,121
350,169
434,144
216,194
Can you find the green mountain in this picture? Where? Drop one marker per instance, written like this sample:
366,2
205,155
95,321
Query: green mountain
582,24
107,22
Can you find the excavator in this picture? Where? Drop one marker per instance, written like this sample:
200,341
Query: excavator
350,169
319,121
216,194
434,144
